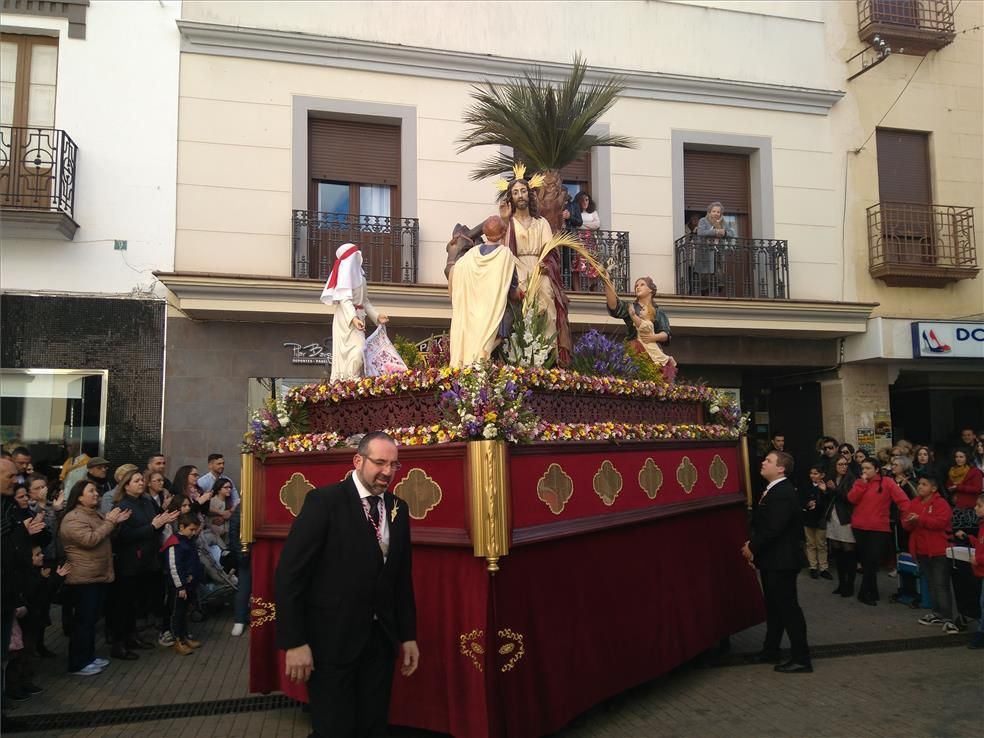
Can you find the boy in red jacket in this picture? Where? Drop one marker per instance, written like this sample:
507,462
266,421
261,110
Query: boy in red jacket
927,518
978,542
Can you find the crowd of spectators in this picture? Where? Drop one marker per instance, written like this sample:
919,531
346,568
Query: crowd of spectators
863,509
133,550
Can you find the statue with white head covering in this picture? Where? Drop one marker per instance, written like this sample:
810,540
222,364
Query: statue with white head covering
346,291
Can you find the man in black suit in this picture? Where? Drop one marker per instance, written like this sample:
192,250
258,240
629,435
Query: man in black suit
776,548
344,595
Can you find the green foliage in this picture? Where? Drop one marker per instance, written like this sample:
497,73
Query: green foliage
408,351
548,122
648,371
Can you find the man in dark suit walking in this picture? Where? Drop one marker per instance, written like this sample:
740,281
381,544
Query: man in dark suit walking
776,548
344,594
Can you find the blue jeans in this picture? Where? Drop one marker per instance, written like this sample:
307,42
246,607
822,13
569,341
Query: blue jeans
88,601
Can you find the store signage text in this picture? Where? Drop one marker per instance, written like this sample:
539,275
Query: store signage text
948,340
312,353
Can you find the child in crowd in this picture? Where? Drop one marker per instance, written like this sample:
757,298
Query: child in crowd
927,518
978,543
816,500
184,572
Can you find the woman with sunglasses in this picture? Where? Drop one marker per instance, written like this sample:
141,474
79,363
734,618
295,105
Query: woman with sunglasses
839,533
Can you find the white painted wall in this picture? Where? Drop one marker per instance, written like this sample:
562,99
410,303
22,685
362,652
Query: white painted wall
117,98
774,42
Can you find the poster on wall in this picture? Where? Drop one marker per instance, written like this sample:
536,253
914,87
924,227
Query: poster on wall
883,429
866,439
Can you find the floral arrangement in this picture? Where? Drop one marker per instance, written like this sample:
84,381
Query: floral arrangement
595,354
273,423
615,431
531,343
551,379
408,351
646,369
728,411
486,401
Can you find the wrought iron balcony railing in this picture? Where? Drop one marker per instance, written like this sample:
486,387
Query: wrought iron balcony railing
906,26
389,245
37,169
610,248
732,267
914,245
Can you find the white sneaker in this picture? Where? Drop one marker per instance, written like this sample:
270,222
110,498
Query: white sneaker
237,629
930,619
101,663
90,670
950,629
165,639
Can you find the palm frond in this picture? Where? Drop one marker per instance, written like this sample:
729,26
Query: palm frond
562,239
546,123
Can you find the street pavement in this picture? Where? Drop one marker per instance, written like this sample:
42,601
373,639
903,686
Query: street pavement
877,673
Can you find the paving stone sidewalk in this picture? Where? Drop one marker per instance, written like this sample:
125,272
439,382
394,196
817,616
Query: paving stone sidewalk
926,685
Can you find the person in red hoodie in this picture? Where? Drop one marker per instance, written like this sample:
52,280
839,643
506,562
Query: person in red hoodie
872,496
964,482
927,518
978,542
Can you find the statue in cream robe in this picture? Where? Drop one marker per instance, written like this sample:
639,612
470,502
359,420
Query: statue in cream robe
346,291
481,283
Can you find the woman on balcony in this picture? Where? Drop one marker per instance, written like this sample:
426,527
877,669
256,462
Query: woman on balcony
708,263
346,290
590,223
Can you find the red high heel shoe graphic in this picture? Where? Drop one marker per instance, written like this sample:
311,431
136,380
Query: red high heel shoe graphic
933,344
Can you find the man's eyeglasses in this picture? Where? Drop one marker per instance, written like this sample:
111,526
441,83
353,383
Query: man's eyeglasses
393,466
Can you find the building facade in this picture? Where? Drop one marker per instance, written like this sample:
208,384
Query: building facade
88,144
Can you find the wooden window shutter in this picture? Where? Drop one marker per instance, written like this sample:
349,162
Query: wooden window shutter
710,176
353,151
903,167
578,171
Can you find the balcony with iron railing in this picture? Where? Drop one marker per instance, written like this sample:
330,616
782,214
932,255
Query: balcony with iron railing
37,181
906,26
610,249
915,245
732,267
389,245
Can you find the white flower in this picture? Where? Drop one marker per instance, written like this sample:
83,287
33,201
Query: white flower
490,431
714,409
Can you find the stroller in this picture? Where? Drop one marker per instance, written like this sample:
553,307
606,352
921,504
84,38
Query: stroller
217,590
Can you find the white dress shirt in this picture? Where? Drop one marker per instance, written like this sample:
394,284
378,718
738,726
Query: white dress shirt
384,532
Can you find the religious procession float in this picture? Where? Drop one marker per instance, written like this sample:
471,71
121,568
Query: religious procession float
576,512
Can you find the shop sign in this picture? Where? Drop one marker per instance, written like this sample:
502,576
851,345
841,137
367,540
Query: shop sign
948,340
312,353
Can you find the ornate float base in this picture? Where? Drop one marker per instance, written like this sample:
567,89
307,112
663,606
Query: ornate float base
548,577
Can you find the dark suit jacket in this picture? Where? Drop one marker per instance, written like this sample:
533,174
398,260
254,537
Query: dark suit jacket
777,539
331,576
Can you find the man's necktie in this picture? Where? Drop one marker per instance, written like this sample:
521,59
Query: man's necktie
374,510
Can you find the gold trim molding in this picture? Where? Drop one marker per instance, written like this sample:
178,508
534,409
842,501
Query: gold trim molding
488,495
718,471
421,493
607,482
513,648
247,501
650,478
686,474
293,493
261,612
555,488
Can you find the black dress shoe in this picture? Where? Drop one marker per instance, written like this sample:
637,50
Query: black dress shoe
138,643
791,667
813,574
826,574
119,652
867,601
32,688
767,657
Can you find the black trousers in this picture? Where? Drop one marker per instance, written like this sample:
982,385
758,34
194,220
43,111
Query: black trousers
783,613
352,700
871,548
87,601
